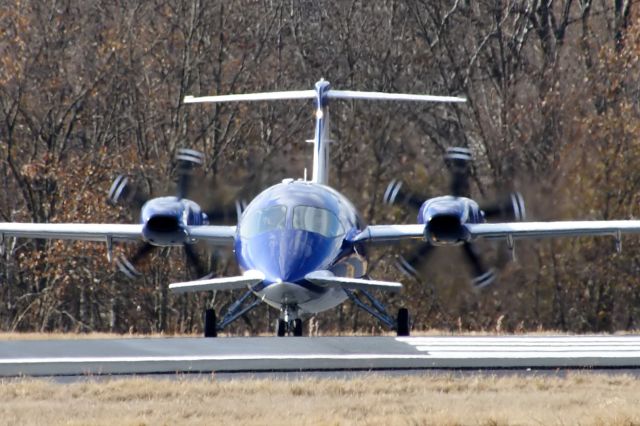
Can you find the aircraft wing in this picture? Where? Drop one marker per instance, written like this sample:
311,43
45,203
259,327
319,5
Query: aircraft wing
519,230
510,230
245,280
106,231
71,231
215,234
389,233
327,279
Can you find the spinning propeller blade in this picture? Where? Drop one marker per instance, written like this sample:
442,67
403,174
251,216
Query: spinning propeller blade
396,194
482,276
122,192
128,267
227,213
510,209
458,162
188,159
194,261
408,265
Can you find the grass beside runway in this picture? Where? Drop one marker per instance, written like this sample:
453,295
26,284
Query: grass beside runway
579,398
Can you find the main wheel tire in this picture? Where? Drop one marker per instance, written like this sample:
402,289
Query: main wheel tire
402,327
210,323
297,327
281,328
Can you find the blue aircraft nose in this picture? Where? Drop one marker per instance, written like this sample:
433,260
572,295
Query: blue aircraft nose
287,255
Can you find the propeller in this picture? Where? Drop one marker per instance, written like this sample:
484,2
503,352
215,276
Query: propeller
188,159
458,161
396,194
122,192
509,208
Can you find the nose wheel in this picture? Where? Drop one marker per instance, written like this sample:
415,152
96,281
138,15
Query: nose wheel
291,328
289,323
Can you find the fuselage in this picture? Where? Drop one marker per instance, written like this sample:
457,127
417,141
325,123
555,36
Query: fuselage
292,229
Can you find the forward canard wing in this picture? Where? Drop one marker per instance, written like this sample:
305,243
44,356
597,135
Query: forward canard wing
327,279
244,281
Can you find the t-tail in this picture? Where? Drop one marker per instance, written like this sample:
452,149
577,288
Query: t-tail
321,94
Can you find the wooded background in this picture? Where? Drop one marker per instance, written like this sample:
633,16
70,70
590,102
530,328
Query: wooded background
92,89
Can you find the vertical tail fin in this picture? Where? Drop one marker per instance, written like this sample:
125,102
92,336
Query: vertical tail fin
322,93
321,135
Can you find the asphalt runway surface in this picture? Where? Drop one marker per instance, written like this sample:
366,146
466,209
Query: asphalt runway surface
326,355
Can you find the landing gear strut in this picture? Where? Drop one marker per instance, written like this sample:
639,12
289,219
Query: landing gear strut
400,324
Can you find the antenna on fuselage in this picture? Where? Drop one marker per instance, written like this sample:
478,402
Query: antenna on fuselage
321,93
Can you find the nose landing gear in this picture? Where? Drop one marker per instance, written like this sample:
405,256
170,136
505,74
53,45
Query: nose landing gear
289,323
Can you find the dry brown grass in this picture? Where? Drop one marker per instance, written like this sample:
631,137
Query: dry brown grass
580,398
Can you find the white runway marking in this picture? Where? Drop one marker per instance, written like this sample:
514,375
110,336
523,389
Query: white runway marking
527,347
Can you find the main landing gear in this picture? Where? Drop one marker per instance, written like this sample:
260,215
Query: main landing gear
290,323
401,324
236,310
210,325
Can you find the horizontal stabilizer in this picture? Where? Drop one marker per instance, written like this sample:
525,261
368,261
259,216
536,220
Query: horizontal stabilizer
327,279
265,96
379,96
248,279
311,94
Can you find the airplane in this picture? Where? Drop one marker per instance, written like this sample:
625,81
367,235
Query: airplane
301,245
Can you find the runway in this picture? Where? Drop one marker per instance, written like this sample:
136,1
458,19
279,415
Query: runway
293,354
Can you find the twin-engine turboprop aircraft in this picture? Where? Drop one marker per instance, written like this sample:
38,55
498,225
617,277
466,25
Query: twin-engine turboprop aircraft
301,244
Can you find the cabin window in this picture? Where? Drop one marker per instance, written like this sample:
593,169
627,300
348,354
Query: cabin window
317,220
259,221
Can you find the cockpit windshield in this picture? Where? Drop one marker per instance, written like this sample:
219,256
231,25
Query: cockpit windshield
259,221
317,220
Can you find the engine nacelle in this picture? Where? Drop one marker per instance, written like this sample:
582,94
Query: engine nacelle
166,220
445,219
